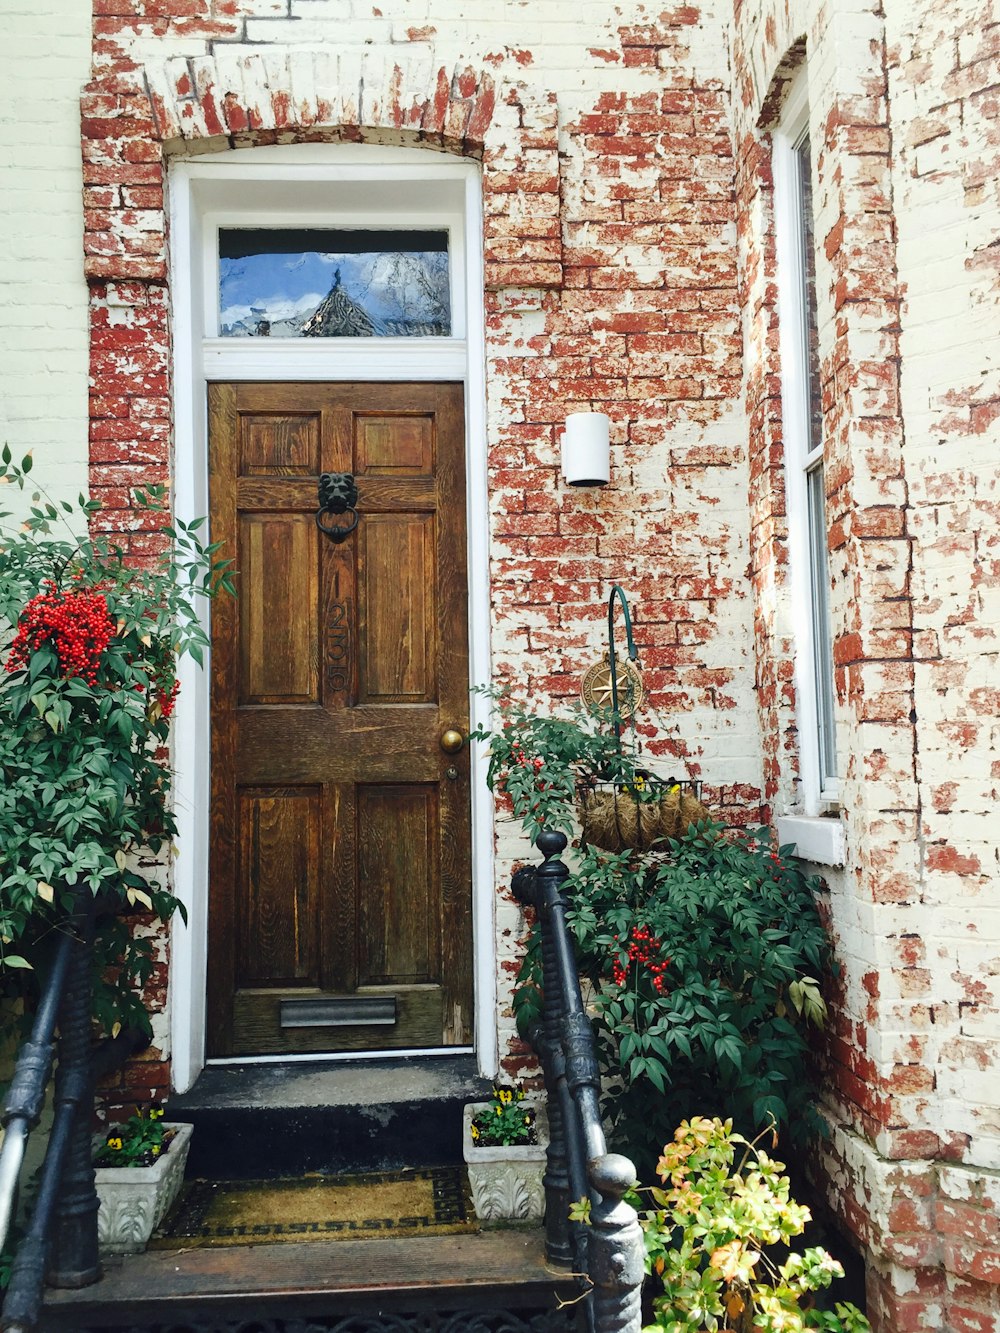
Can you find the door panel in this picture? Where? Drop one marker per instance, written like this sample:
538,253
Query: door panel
400,926
396,588
279,624
280,446
340,900
279,870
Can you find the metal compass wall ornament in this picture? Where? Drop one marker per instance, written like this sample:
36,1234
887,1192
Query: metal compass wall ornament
596,688
614,682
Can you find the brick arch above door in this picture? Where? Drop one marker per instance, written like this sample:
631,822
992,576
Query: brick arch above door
133,120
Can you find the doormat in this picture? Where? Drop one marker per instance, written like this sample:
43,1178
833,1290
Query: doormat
432,1201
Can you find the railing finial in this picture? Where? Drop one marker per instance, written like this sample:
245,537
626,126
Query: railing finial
616,1248
551,843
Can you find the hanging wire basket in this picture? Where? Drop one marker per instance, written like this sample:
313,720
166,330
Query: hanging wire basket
638,814
643,810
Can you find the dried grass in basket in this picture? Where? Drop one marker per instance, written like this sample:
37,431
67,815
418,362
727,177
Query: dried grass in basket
619,820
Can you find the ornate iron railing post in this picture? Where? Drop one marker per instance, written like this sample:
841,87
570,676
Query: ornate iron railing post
610,1251
75,1260
535,889
616,1249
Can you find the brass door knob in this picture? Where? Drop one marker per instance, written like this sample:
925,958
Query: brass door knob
452,741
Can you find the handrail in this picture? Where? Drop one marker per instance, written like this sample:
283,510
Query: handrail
608,1252
64,1218
26,1093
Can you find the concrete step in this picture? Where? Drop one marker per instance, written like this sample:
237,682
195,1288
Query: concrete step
490,1282
256,1121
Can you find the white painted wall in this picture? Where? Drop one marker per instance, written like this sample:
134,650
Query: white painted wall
43,314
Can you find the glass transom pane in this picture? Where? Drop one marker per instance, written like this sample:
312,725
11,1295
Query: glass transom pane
316,283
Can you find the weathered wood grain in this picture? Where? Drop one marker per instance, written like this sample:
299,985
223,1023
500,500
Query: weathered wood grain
340,845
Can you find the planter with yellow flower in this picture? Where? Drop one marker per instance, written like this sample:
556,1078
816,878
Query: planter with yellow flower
139,1172
504,1143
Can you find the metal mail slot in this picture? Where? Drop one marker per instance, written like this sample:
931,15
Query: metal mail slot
342,1012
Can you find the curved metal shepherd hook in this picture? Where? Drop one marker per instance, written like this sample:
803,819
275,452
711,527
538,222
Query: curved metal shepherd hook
619,592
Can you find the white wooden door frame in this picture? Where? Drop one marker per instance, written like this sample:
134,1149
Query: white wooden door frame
328,185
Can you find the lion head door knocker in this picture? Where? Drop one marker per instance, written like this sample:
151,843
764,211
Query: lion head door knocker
338,494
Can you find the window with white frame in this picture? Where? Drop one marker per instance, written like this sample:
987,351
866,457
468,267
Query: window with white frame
802,425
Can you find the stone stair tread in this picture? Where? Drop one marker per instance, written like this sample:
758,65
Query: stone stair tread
328,1084
317,1277
331,1117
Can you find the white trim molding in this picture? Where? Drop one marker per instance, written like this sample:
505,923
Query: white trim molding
330,184
821,841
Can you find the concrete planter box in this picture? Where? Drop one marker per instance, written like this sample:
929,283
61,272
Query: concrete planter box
135,1199
506,1181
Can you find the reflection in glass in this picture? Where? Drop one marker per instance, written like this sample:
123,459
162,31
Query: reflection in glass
822,634
299,283
811,330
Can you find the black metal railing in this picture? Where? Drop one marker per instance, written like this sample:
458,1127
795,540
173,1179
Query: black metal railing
60,1243
607,1253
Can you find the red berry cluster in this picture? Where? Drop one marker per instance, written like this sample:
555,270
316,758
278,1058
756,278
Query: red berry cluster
167,698
643,951
76,624
521,759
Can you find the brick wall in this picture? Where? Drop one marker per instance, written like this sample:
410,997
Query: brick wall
43,325
611,285
903,127
626,172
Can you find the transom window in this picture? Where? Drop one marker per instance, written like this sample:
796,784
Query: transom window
333,283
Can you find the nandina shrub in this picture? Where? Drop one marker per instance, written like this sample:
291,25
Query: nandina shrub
539,761
88,650
702,953
75,624
702,959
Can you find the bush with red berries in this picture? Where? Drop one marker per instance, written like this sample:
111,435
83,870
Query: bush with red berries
703,960
89,644
539,761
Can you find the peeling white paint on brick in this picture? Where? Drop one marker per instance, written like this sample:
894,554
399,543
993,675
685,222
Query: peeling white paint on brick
623,277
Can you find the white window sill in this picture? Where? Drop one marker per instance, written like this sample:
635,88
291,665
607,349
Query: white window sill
815,839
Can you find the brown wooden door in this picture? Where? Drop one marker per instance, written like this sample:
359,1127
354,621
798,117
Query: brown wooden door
340,895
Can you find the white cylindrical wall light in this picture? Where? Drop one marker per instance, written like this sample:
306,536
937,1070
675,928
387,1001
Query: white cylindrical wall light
586,449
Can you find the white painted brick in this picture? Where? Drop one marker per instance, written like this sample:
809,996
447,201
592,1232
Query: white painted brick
43,398
945,202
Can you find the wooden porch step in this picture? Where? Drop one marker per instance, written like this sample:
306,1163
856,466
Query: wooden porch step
322,1282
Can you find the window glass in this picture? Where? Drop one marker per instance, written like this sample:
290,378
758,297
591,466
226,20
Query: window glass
809,330
313,283
815,485
822,638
